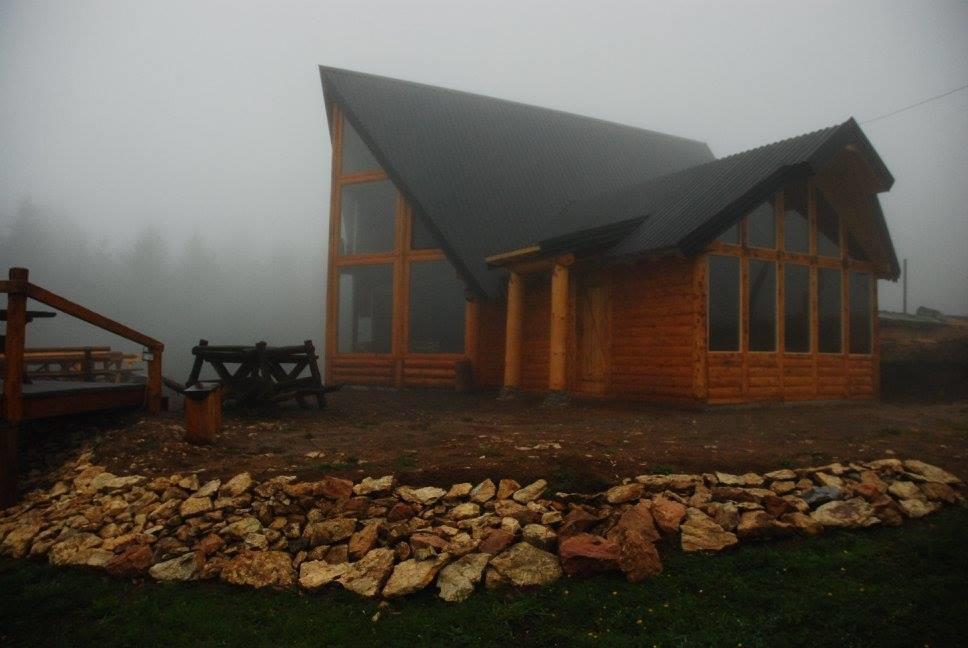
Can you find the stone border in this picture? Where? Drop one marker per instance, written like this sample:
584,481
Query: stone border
380,539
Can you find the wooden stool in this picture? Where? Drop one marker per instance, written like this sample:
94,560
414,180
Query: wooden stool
203,412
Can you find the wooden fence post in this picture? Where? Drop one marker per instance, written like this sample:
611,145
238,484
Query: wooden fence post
13,408
154,381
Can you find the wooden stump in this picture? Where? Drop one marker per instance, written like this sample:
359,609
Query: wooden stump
203,413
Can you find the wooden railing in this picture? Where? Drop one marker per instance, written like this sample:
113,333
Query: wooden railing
18,289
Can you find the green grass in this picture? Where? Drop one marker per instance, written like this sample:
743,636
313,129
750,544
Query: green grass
885,587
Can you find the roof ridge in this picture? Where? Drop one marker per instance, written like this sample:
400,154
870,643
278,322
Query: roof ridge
477,95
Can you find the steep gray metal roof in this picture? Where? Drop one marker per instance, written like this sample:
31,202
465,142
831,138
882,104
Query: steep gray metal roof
490,175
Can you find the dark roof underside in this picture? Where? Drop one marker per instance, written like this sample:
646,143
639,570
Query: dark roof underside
490,175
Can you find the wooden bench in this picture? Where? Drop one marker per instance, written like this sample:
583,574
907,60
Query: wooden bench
261,373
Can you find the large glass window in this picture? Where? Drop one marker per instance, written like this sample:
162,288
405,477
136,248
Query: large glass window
367,217
762,291
854,250
421,238
796,222
761,226
723,303
830,335
436,308
356,155
365,308
730,236
796,308
860,312
828,229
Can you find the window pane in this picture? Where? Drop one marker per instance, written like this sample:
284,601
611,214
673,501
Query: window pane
436,308
723,303
828,310
365,309
762,321
761,226
730,236
796,223
356,156
828,229
796,308
367,217
421,238
860,312
854,250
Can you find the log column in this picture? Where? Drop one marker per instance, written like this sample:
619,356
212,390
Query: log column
472,318
512,335
558,360
13,384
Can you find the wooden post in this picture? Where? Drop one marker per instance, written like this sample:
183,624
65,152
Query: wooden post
203,413
558,338
13,408
154,381
472,317
513,333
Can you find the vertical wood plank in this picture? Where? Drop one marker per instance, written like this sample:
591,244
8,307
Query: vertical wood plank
13,384
472,335
332,275
700,361
513,332
558,358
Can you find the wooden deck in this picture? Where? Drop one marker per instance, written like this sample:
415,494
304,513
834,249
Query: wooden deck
46,398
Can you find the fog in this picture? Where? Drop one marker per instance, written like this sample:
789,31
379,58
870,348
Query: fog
168,163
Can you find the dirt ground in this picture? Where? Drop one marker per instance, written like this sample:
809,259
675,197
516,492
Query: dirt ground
438,437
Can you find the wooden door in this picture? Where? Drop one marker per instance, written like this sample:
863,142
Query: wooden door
591,328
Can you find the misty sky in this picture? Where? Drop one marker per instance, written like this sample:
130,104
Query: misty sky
208,116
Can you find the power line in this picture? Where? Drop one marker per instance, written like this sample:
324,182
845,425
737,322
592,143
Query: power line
915,105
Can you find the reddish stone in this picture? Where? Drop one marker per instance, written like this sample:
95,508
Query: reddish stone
576,521
133,561
496,541
400,511
418,540
330,487
868,491
363,540
210,544
668,514
636,518
777,506
639,558
585,554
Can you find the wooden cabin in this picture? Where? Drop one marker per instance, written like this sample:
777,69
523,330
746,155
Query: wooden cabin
563,254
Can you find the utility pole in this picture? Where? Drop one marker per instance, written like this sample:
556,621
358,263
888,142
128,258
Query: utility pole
904,288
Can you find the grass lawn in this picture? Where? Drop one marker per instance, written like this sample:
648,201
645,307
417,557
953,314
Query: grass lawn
904,586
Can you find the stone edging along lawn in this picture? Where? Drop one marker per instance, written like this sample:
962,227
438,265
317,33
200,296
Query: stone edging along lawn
380,539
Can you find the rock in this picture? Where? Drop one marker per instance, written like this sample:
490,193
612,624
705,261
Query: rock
936,491
17,542
624,493
422,540
890,464
256,541
314,574
551,518
400,511
510,525
636,518
238,485
457,580
75,550
461,544
930,473
242,527
540,536
483,491
133,561
189,483
530,493
760,524
329,531
783,487
185,567
855,512
210,544
363,541
638,557
525,565
674,482
194,506
777,506
576,521
725,514
869,492
904,490
821,495
726,479
506,488
870,478
367,575
208,489
336,554
464,511
781,475
668,514
701,533
915,508
829,480
371,486
330,487
459,491
496,541
585,554
413,575
888,511
510,508
426,496
259,569
803,523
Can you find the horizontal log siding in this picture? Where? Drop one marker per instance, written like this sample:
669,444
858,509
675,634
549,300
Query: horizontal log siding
362,370
653,330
